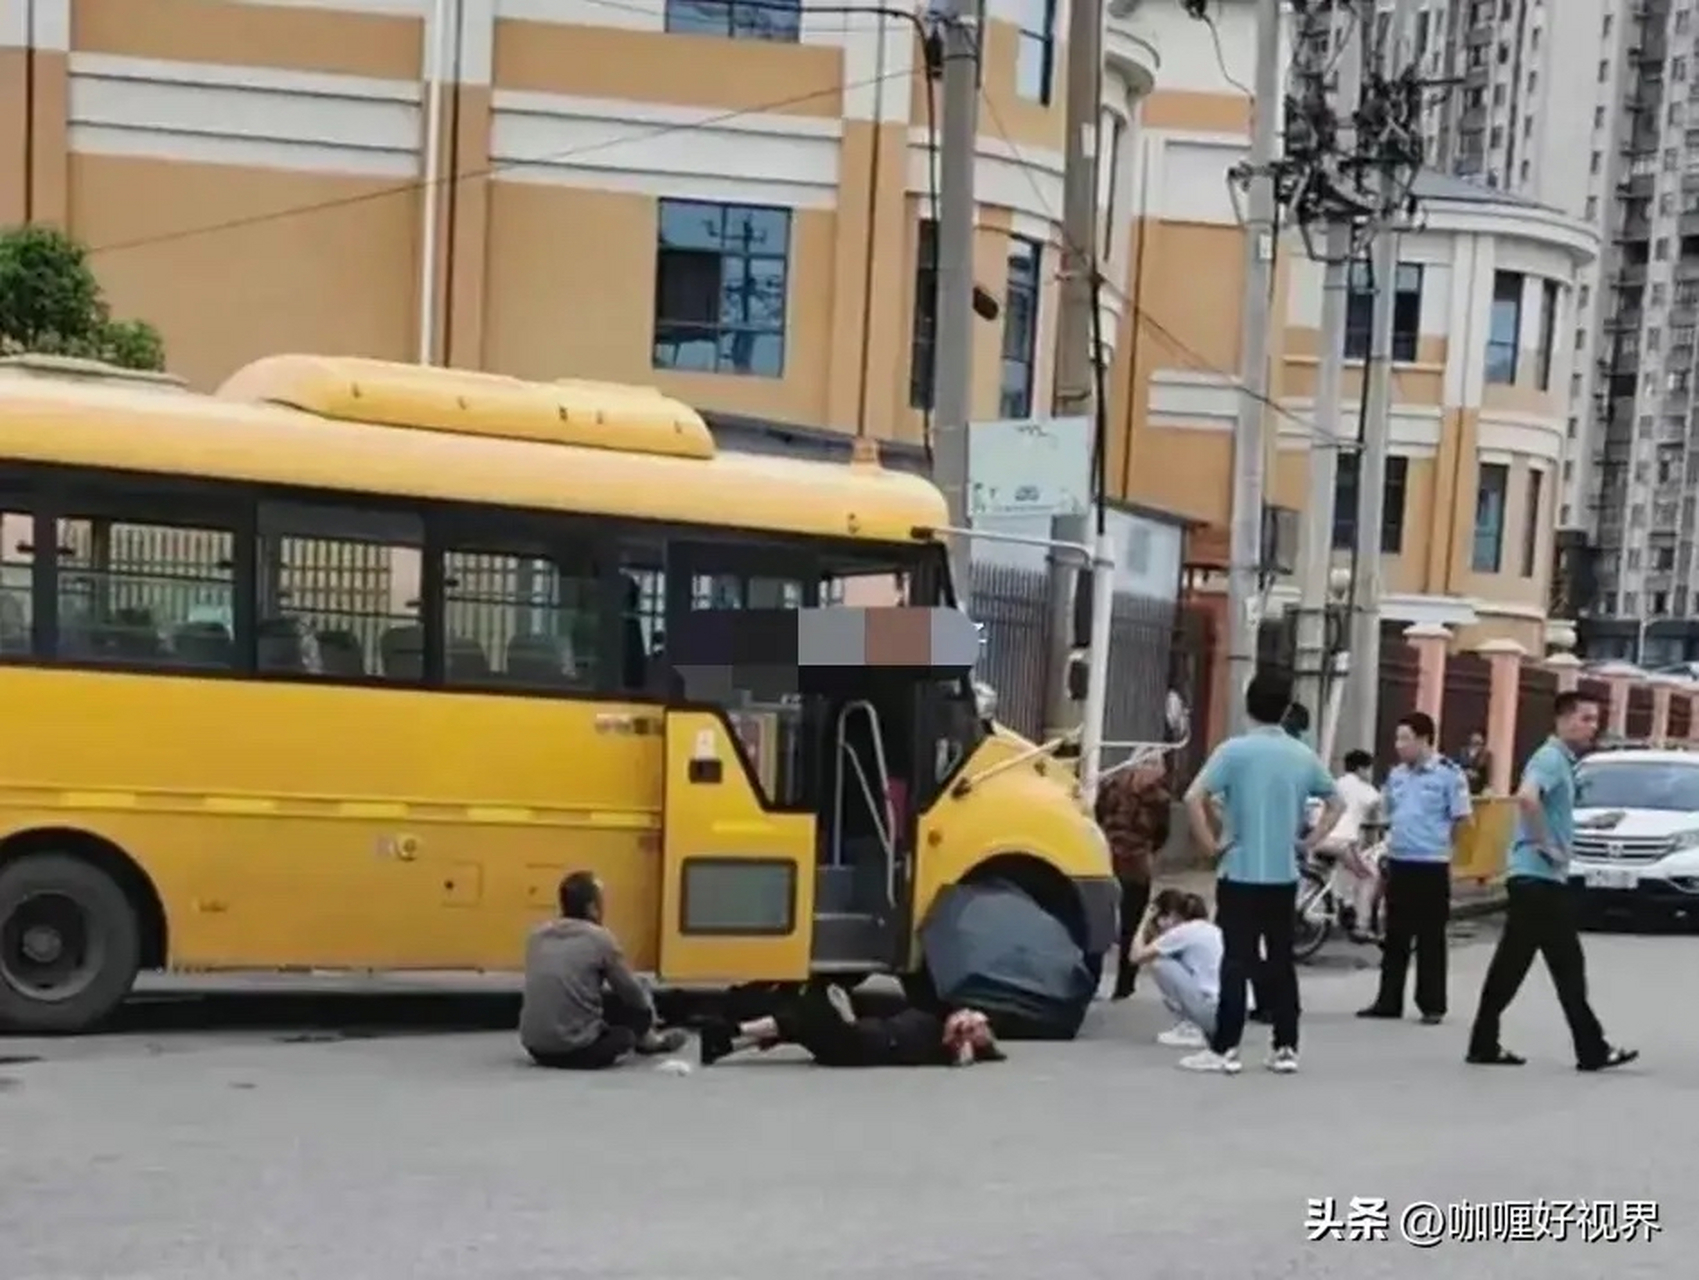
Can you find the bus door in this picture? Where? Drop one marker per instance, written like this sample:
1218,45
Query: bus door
737,891
739,826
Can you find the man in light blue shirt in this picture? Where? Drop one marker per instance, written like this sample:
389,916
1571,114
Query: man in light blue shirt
1258,783
1540,918
1427,801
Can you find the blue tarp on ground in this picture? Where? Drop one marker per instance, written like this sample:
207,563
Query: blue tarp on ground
990,947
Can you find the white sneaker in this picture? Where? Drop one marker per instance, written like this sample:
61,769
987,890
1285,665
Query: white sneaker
1183,1035
1209,1060
1283,1062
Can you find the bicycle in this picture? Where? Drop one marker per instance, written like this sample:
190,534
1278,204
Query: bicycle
1324,903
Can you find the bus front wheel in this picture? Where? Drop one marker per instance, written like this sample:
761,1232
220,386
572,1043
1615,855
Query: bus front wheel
70,944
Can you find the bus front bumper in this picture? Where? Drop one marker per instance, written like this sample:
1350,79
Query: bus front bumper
1100,896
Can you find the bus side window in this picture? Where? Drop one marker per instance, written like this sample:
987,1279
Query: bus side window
338,592
17,567
523,617
156,594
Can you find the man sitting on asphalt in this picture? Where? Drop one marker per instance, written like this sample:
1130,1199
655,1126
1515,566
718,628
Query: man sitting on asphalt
583,1007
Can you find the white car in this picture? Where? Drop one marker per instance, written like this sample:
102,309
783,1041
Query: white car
1637,831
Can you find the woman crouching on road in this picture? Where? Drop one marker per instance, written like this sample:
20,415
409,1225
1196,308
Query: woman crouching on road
824,1022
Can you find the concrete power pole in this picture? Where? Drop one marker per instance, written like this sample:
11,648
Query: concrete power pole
1363,704
1317,538
1076,368
1245,555
952,387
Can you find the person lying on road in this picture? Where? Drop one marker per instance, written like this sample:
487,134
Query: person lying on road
824,1022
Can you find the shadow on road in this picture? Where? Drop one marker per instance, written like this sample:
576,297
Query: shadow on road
305,1017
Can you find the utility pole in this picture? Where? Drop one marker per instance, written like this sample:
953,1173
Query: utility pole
952,395
1317,538
1076,360
1363,705
1245,555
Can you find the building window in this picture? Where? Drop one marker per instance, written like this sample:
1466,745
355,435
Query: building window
1345,489
1490,489
767,20
1505,326
923,343
1020,327
1548,331
1406,311
1592,207
721,276
1531,522
1035,57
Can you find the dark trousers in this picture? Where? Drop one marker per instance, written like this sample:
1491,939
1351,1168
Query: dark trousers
1135,898
1418,908
1261,1004
1541,918
623,1026
1253,917
816,1026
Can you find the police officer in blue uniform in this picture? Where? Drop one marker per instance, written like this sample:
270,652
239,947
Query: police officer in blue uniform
1427,800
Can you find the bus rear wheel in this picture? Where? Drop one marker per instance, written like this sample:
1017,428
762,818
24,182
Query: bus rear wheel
70,944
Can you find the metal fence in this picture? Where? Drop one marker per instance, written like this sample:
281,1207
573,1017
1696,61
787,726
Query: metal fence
1012,604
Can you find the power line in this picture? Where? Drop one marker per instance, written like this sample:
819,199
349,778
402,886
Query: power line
1170,339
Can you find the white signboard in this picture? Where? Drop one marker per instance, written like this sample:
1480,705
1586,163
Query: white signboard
1029,467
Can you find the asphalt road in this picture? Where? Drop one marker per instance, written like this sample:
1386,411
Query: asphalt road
257,1148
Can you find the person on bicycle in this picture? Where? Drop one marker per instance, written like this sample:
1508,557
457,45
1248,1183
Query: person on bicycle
1349,846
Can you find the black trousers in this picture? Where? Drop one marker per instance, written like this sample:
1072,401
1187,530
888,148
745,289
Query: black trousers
1253,917
1541,919
623,1025
1135,898
903,1039
1418,908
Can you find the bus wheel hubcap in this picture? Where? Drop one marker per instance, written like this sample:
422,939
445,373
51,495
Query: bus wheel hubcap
47,947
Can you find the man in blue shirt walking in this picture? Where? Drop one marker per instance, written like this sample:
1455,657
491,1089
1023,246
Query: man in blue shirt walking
1541,915
1261,781
1427,800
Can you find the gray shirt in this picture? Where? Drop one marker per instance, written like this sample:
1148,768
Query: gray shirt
568,965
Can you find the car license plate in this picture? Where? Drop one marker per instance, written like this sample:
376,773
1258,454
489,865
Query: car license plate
1611,878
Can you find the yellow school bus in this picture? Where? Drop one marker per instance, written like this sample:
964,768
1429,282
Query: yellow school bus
344,666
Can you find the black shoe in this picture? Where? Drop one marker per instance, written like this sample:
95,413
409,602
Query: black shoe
717,1040
1432,1019
1615,1058
1495,1058
1380,1011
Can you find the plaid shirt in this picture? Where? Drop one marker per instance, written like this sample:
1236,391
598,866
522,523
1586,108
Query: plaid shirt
1134,816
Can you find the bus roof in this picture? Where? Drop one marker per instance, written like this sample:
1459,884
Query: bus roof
362,426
